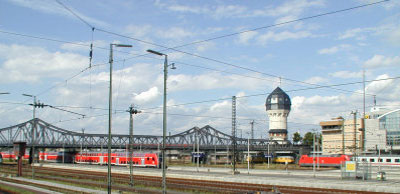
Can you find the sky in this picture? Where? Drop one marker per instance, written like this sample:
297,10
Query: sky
220,49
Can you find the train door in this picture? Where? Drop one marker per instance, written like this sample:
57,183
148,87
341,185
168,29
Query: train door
142,161
117,161
101,160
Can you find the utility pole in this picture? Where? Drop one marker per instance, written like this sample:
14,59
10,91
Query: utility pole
32,156
198,152
343,143
234,133
362,140
314,154
355,131
131,112
252,129
82,139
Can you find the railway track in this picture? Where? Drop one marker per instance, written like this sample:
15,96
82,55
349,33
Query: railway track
174,185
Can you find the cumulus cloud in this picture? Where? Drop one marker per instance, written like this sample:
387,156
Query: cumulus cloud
346,74
280,36
316,80
245,37
31,64
334,49
210,81
239,11
378,61
147,96
52,7
83,46
175,33
205,46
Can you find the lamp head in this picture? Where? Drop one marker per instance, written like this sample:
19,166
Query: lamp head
122,45
155,52
173,66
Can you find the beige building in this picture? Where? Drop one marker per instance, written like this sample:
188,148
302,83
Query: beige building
341,136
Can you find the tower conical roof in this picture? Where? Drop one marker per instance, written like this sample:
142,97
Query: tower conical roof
278,100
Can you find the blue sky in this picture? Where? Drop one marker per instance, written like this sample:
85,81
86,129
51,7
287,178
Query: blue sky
327,50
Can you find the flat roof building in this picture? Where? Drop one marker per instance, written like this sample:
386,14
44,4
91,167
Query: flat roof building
382,132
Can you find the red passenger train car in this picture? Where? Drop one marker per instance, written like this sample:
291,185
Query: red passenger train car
11,155
324,160
120,158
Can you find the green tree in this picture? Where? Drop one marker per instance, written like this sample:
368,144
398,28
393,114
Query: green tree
297,138
308,138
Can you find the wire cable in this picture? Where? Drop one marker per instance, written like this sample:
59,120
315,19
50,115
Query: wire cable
232,34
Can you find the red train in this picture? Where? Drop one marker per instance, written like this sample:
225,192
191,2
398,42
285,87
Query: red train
119,158
324,160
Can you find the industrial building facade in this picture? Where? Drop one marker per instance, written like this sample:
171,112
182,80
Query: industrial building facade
341,136
380,130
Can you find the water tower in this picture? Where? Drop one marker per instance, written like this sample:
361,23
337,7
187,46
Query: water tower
278,108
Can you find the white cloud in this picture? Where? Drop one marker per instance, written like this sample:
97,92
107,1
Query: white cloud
285,35
147,96
290,9
210,81
52,7
334,49
245,37
393,36
227,11
316,80
31,64
205,46
377,86
294,7
351,33
346,74
378,61
83,46
175,33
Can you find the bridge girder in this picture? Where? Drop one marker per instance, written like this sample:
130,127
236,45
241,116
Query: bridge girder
50,136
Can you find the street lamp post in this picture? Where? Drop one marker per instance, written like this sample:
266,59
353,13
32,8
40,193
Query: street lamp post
109,115
33,133
248,154
164,114
314,154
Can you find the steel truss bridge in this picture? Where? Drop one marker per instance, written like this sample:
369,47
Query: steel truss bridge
49,136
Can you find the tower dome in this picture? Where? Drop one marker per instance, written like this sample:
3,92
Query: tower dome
278,100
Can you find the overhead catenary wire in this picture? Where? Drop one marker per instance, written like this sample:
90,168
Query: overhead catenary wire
90,25
197,42
232,34
244,96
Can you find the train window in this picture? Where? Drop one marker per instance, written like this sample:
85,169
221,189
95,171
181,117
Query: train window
388,160
380,160
396,160
372,160
364,160
148,158
153,159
